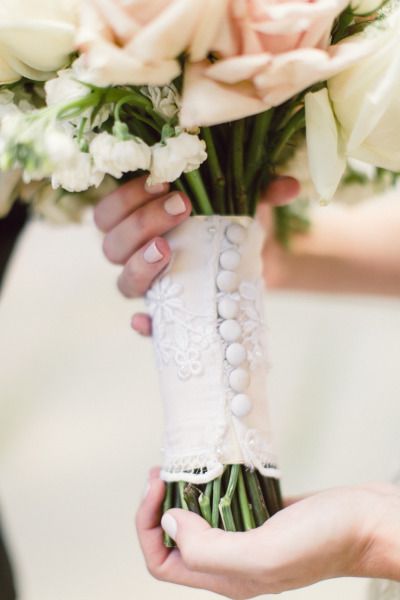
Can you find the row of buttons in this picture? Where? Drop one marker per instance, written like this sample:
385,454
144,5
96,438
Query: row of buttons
230,329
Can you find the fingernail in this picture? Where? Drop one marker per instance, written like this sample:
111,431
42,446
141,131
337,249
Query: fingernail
157,188
175,205
152,254
169,525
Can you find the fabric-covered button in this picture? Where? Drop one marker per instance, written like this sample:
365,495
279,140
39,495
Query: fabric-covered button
230,330
241,405
227,281
230,259
236,233
228,308
236,354
239,380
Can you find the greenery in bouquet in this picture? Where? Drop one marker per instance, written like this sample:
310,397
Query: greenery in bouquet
215,97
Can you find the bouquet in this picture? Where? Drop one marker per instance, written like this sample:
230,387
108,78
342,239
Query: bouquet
216,97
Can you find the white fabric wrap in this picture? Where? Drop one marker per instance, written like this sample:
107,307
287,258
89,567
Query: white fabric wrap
215,411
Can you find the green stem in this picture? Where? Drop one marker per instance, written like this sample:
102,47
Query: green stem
181,486
270,495
256,497
225,505
215,502
236,513
205,503
168,503
255,152
217,177
296,123
238,129
181,187
247,517
197,187
191,495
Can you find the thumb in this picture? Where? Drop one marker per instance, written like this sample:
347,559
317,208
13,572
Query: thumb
203,548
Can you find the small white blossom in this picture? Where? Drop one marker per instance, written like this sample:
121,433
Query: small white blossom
78,175
59,146
7,104
35,145
115,157
166,100
64,88
177,155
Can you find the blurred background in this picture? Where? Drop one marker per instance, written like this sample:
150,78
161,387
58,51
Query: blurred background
80,416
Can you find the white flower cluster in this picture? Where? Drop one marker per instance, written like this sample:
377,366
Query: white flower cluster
72,142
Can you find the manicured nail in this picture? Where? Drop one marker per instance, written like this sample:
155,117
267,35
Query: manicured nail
152,254
175,205
157,188
169,525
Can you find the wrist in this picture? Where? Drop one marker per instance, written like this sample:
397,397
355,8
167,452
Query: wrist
381,544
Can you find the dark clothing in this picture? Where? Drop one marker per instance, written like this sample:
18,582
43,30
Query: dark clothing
10,227
7,585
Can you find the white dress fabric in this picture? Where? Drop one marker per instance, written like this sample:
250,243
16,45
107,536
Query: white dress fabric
209,336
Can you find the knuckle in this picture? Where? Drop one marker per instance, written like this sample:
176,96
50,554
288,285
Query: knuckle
109,250
139,218
154,570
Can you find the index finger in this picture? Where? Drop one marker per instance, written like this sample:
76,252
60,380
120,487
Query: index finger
115,207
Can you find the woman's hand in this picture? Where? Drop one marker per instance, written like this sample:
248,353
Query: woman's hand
351,531
135,218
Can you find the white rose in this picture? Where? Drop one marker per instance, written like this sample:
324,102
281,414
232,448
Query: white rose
115,157
177,155
36,37
358,116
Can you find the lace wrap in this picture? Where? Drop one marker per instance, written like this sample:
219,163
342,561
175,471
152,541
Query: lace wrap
209,339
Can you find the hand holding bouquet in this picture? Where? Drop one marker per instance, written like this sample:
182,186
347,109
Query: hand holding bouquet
214,97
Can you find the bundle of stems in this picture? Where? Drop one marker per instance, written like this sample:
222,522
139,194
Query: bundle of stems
239,500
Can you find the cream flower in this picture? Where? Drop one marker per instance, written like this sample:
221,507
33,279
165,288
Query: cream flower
165,100
36,37
267,52
115,157
139,42
77,175
358,116
177,155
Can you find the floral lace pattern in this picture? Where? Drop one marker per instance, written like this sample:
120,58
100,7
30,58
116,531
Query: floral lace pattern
181,334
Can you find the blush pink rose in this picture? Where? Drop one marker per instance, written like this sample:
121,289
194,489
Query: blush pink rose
138,42
279,48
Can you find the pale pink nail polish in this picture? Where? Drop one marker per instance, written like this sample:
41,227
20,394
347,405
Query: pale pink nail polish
169,525
175,205
157,188
152,254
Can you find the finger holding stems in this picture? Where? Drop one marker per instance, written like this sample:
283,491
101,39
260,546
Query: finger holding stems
350,531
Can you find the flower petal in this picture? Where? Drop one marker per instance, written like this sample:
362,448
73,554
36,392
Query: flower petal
327,163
